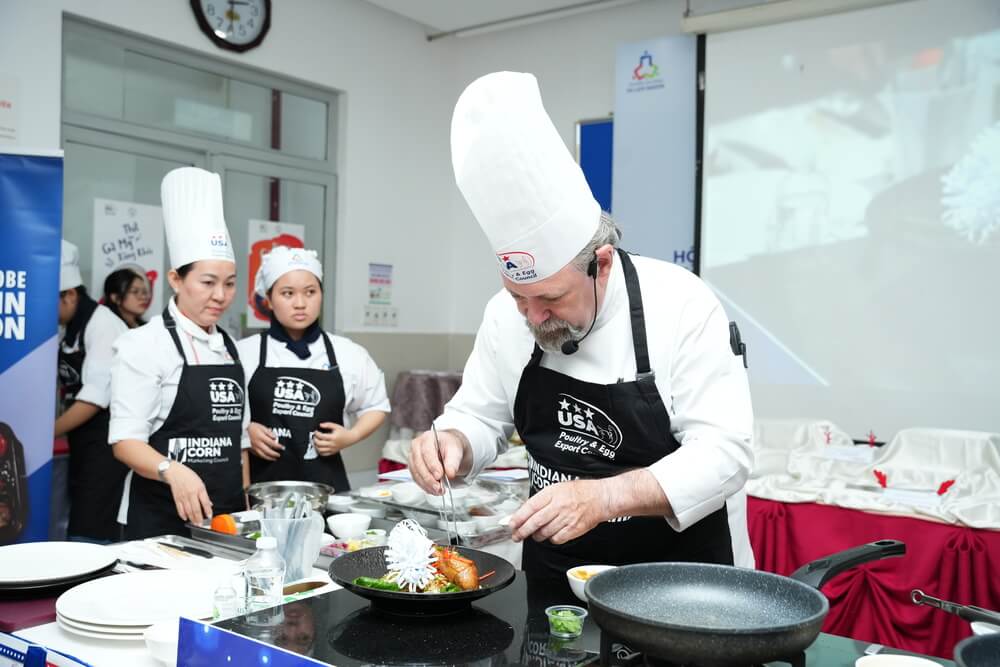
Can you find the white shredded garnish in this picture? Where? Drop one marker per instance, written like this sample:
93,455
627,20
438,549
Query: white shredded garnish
410,553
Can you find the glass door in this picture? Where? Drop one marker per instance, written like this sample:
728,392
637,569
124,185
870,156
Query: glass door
99,165
258,193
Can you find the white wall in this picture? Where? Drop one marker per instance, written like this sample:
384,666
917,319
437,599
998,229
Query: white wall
394,165
397,201
574,60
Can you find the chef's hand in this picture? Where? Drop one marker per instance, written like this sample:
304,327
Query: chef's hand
425,460
263,442
561,512
189,493
338,438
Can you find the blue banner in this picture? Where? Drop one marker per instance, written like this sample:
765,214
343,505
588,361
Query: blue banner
30,233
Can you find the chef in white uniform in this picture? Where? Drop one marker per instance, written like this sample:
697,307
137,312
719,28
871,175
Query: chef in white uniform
616,371
310,394
85,353
177,414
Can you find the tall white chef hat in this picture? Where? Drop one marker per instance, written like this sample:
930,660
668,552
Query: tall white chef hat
69,267
282,259
192,216
525,189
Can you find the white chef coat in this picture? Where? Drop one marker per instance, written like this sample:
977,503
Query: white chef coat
702,383
364,382
145,374
99,336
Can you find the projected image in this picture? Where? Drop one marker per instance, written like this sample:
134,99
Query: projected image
851,201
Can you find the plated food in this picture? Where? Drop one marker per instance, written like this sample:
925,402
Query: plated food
453,574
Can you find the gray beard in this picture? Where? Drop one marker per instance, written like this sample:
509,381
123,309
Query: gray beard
553,332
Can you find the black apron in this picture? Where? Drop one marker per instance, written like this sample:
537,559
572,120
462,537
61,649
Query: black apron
581,430
96,477
203,431
292,402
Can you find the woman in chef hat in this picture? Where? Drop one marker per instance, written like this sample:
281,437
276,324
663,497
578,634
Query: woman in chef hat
304,382
177,414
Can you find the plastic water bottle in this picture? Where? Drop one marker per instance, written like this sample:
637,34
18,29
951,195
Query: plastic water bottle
225,602
265,575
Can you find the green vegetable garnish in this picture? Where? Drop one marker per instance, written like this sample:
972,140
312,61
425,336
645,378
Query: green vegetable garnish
565,622
378,584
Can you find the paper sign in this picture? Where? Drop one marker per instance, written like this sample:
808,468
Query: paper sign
264,235
9,110
380,284
128,235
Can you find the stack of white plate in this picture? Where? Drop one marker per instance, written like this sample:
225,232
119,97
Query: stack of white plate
37,566
120,608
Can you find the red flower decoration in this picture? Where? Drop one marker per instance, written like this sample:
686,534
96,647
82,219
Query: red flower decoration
943,489
881,477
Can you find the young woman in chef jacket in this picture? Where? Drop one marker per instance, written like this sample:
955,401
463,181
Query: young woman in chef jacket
310,394
177,415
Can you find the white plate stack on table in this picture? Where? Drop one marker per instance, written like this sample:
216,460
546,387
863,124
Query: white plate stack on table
38,566
120,608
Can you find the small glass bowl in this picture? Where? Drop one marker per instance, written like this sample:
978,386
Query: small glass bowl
566,620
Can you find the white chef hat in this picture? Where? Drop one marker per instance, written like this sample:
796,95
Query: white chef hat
69,267
192,216
525,189
282,259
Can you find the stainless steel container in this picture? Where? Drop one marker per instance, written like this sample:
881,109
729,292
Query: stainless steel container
263,493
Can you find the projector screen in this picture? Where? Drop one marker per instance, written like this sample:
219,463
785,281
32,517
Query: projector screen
851,213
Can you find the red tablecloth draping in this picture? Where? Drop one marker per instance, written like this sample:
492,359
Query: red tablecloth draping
872,603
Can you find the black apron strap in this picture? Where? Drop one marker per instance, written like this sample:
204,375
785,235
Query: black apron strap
171,325
536,357
262,363
638,317
230,346
329,350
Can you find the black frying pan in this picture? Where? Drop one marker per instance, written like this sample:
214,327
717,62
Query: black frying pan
371,563
981,651
720,615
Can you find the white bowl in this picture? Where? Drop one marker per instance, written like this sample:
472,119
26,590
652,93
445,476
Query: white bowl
890,660
408,493
982,628
376,536
340,503
459,493
577,583
348,526
460,527
377,492
161,640
326,539
371,509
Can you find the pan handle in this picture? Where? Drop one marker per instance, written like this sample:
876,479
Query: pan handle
818,572
966,612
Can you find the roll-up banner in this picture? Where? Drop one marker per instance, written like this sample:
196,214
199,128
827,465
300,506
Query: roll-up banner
653,183
30,232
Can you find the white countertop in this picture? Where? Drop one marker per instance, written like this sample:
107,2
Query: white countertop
109,653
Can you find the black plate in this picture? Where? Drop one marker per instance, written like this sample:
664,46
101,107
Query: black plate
371,563
52,587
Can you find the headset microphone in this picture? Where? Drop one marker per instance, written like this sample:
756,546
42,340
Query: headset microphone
571,346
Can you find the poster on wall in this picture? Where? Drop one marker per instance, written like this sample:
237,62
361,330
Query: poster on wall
653,173
9,109
31,211
128,236
264,235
